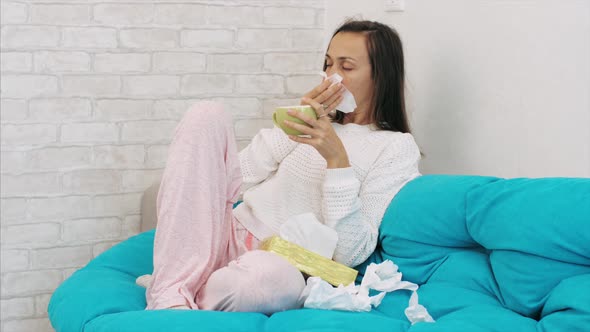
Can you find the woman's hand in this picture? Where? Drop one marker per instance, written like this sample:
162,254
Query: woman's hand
325,94
322,135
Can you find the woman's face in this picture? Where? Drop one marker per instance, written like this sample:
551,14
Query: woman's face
347,56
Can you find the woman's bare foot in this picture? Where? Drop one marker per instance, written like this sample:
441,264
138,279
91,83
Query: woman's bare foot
144,280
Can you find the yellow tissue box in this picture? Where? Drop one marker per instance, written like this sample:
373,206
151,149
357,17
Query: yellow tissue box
309,262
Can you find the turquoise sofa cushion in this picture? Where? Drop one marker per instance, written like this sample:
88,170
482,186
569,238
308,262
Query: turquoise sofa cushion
490,254
513,241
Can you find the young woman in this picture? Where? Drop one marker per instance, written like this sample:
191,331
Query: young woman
345,170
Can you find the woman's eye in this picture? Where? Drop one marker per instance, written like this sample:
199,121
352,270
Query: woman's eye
328,65
346,68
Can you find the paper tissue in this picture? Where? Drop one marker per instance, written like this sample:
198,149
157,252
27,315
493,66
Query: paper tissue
348,104
383,277
307,231
309,245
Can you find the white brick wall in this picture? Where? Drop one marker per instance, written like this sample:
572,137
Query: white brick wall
16,62
51,62
27,86
91,94
59,109
121,62
207,38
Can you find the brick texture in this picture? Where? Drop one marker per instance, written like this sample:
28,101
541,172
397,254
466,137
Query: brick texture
91,94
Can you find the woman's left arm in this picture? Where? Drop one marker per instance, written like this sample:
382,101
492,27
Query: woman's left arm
355,210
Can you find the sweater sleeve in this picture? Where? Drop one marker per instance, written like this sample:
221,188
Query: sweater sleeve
355,209
262,156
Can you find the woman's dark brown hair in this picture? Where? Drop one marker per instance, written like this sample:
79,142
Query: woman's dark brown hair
387,72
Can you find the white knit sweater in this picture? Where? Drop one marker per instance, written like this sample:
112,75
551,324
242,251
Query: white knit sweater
287,178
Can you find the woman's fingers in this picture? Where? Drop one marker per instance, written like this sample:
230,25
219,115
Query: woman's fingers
304,140
303,129
332,107
320,109
302,116
333,101
315,92
330,92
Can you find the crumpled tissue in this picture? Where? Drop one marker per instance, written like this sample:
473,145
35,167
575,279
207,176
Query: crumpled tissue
383,277
416,312
308,232
348,104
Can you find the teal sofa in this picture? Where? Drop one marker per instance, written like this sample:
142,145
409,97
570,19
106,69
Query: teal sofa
489,254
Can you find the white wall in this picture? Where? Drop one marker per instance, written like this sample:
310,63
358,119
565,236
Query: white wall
496,87
91,92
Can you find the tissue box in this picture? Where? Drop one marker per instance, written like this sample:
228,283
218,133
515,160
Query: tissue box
309,262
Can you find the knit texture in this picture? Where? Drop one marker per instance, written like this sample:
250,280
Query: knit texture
282,178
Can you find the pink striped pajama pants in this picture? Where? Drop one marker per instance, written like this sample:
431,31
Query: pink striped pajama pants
202,256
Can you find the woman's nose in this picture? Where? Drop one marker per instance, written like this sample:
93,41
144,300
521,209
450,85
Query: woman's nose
330,71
